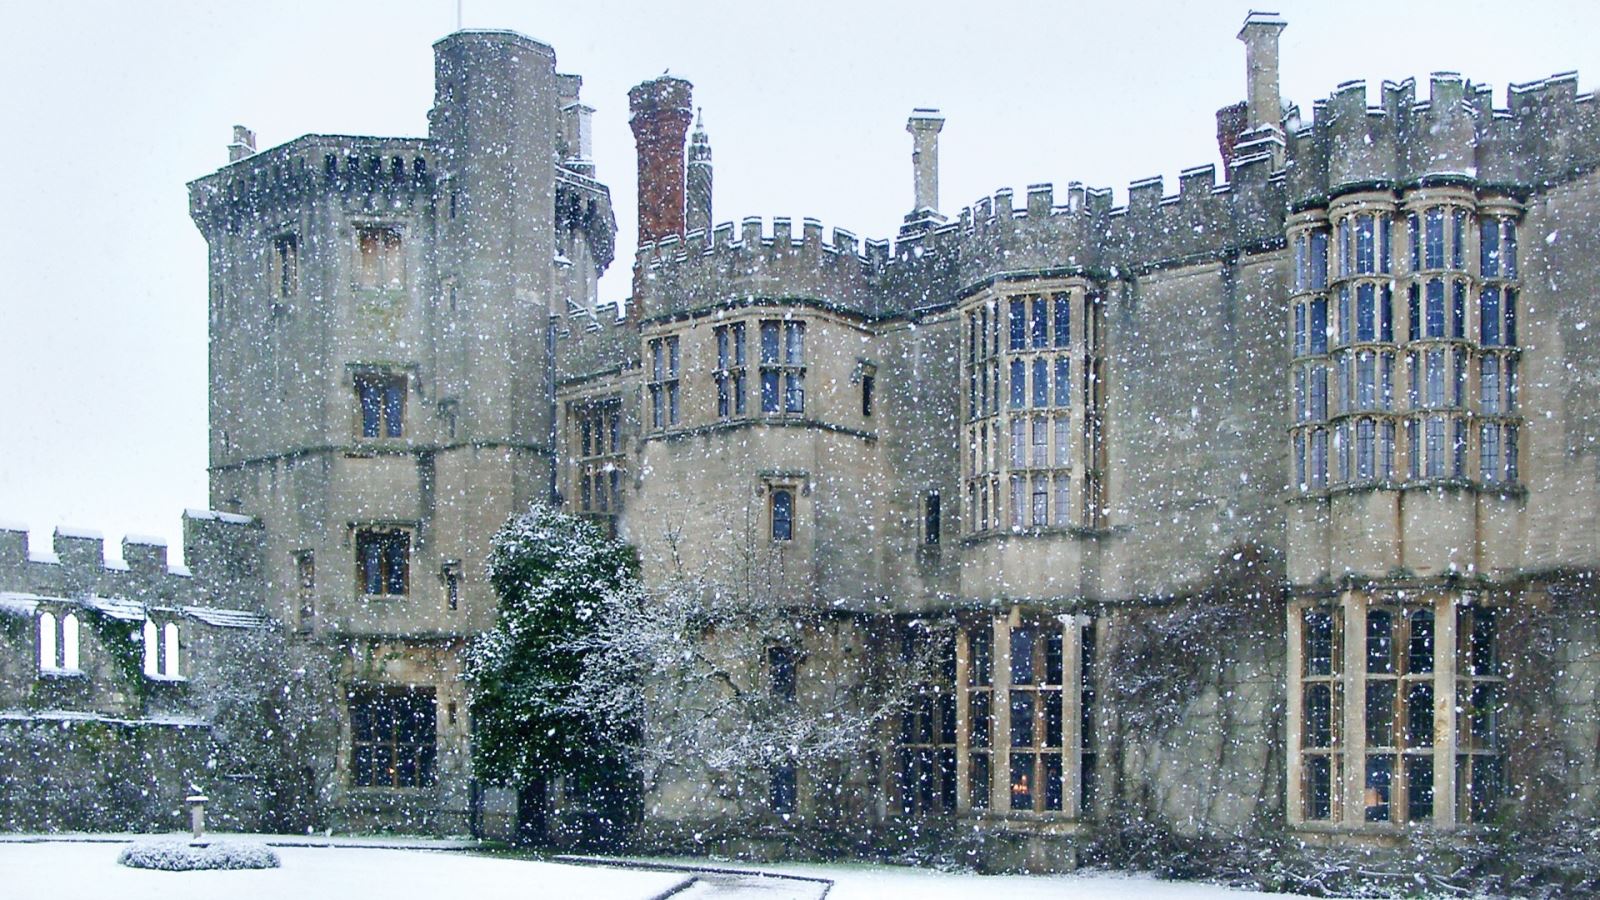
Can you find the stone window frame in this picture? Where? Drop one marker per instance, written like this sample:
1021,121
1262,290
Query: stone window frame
362,534
387,735
923,777
984,752
796,484
381,384
305,579
782,366
58,635
163,647
598,455
1436,299
1036,435
377,258
283,265
731,373
1460,747
663,369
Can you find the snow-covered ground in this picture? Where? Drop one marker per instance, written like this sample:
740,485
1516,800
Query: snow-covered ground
861,882
68,871
59,870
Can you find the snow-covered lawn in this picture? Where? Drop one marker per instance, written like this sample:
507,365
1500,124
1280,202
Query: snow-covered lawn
59,871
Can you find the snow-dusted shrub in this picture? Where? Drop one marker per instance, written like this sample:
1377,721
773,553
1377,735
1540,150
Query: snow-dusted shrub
180,856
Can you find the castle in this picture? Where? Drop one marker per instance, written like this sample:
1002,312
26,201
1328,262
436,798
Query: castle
1271,501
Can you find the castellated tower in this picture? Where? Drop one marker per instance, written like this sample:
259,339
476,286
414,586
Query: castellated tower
381,393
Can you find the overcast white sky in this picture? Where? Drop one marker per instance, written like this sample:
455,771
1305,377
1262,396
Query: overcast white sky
111,107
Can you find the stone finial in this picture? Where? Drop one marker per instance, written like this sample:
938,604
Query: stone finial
1260,37
244,144
697,214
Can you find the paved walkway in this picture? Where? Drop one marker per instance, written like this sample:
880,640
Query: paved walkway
719,883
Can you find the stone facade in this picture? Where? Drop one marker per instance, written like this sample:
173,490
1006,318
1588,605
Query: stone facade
1265,505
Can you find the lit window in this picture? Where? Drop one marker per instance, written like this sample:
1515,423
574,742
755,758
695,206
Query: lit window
393,737
383,561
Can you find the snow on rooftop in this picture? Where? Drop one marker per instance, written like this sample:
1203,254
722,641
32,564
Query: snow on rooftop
217,516
179,569
17,604
10,525
150,540
226,618
87,534
70,715
117,608
41,555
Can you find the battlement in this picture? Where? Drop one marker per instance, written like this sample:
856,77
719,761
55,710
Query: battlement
1546,132
756,260
220,562
399,170
995,234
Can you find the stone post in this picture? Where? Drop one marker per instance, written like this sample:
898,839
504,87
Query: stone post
197,814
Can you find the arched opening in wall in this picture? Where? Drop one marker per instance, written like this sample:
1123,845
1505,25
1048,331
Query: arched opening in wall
152,663
69,642
169,648
48,661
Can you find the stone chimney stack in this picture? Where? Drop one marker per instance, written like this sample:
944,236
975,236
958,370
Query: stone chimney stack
661,112
244,144
1260,36
698,214
925,125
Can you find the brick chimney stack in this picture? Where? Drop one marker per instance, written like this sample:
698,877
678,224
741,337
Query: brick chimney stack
661,113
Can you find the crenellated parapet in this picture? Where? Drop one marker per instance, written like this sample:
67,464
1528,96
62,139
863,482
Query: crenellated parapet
755,261
1546,133
220,565
995,236
358,173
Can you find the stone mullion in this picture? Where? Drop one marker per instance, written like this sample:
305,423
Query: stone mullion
1294,667
1000,715
1444,712
1072,715
963,721
1353,782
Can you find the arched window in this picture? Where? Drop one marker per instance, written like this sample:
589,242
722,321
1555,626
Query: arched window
69,642
48,662
783,515
169,657
152,650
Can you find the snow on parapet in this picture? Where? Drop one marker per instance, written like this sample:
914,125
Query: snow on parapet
76,556
218,516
